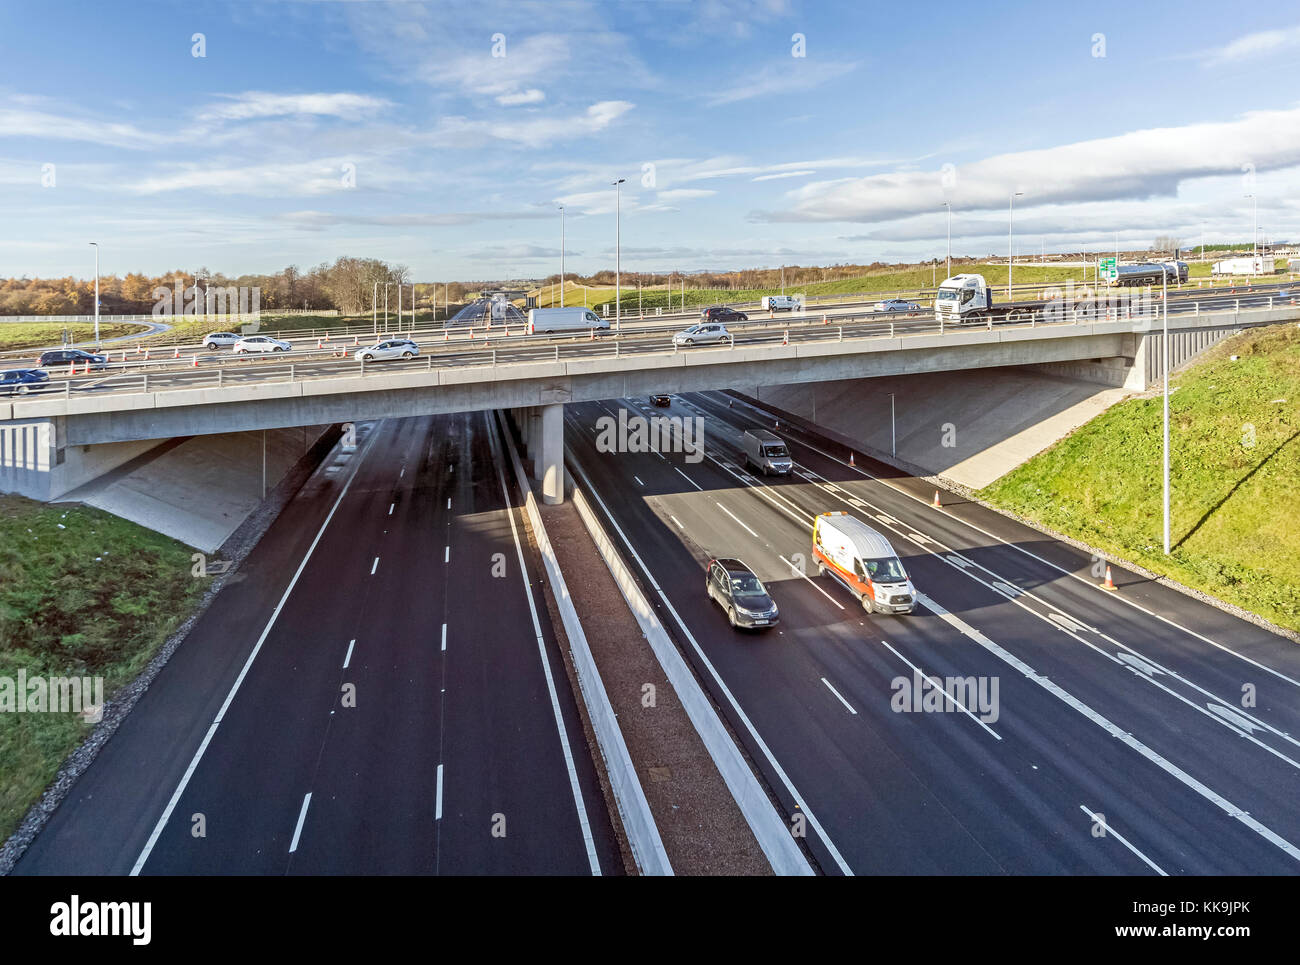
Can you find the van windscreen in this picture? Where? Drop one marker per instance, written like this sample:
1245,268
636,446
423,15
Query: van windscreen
887,570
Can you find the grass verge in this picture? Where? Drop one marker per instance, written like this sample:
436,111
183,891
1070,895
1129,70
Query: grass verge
1234,477
82,593
21,335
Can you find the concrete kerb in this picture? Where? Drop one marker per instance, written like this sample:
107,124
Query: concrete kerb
634,810
773,836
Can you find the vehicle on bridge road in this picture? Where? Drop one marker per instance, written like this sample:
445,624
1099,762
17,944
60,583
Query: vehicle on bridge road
215,340
543,321
260,343
703,332
733,586
863,561
723,313
71,356
393,348
896,305
21,381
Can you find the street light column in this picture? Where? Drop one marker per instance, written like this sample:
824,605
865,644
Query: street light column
618,265
1164,367
561,257
95,245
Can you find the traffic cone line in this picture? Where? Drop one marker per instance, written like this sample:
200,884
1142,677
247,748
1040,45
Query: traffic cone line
936,503
1110,583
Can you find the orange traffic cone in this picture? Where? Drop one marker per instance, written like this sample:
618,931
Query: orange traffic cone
851,462
446,334
785,338
177,353
936,503
138,350
319,345
592,338
73,370
1109,584
196,361
825,320
356,339
146,355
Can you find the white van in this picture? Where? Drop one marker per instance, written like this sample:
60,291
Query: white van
780,303
862,559
543,321
765,450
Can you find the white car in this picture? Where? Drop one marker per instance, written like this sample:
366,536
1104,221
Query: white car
260,343
216,340
701,333
896,305
393,348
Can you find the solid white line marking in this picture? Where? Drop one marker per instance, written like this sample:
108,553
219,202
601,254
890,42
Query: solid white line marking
689,480
444,636
677,521
737,519
592,859
446,555
302,816
1115,731
449,502
437,811
638,480
390,508
804,576
938,684
348,659
374,566
1111,832
837,694
257,647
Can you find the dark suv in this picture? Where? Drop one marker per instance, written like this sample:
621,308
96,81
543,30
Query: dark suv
72,356
721,313
734,587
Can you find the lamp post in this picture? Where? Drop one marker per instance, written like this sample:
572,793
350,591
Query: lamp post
1164,366
618,307
95,245
374,307
1254,236
386,284
948,205
1011,251
561,258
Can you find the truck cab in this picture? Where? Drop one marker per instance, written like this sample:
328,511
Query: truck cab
961,297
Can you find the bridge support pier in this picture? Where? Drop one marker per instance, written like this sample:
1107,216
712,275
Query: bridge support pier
550,452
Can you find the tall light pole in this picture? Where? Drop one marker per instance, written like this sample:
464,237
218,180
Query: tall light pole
374,307
95,245
948,205
1011,251
1254,237
386,284
561,258
1164,367
618,308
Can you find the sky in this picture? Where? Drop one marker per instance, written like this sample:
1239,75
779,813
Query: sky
245,136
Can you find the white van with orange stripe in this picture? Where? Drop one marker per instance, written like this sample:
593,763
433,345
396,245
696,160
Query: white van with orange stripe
860,558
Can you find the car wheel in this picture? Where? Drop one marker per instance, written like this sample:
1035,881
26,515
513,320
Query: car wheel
821,569
731,616
24,389
406,355
688,341
868,605
211,346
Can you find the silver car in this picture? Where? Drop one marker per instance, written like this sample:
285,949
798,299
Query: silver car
392,348
260,343
215,340
701,333
897,305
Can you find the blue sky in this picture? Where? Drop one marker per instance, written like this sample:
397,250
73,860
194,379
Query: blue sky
315,129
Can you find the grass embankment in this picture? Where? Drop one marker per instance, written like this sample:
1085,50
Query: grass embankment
1234,477
94,598
20,335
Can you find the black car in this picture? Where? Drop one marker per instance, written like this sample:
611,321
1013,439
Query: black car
721,313
21,381
661,400
734,587
72,356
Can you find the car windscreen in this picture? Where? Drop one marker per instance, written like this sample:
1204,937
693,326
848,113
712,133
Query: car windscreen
746,585
887,570
775,450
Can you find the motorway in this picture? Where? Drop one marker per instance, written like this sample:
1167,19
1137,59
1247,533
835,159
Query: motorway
377,691
1120,743
463,343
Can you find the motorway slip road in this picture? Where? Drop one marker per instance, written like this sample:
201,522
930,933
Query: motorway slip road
463,752
1118,745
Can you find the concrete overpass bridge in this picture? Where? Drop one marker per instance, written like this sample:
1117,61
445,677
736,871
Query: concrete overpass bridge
53,442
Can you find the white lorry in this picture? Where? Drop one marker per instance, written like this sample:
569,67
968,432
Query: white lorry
766,451
961,297
544,321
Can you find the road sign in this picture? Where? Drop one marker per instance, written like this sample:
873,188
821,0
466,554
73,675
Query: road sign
1109,269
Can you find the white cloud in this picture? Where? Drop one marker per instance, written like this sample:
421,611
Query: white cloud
256,104
530,96
42,124
1138,165
784,78
683,194
1259,44
784,174
533,132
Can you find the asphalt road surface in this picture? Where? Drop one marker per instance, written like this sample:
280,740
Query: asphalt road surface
401,711
1118,742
